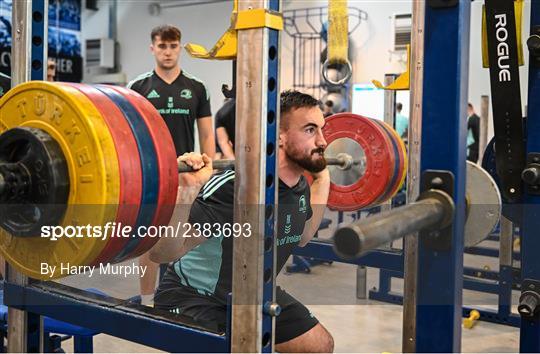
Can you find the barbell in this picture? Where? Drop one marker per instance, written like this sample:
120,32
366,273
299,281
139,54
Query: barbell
76,155
433,211
342,161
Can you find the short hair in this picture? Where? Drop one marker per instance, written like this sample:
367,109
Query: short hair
399,106
291,100
166,33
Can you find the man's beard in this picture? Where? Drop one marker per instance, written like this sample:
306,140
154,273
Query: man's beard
307,163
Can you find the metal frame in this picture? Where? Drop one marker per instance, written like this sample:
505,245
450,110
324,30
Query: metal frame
500,283
410,243
530,243
29,22
119,318
503,315
439,284
390,263
257,112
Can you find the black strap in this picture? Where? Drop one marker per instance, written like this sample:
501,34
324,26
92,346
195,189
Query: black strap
505,94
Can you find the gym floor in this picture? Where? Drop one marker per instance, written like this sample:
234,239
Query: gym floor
330,293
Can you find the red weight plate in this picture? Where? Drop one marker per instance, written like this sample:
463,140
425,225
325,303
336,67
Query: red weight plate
168,167
398,163
130,167
379,162
402,156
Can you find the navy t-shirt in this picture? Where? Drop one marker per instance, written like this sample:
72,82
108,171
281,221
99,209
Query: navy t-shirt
180,103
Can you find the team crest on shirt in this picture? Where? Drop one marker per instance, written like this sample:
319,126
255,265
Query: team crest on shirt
288,224
302,204
186,93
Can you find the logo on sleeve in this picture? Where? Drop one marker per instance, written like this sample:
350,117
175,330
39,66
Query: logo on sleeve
302,204
186,93
153,94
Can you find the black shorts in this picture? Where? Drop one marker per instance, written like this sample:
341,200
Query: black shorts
294,320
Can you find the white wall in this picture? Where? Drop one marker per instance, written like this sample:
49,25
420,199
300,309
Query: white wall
204,24
372,43
371,40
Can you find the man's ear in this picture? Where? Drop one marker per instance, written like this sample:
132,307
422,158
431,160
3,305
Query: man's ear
281,138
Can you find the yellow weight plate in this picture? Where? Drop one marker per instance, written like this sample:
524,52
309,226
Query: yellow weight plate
405,160
73,121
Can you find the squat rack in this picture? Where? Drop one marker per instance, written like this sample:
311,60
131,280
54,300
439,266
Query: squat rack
436,324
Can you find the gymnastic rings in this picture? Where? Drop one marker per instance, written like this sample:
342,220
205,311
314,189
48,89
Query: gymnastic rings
344,70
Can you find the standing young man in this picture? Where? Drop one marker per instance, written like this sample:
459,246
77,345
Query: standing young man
182,100
197,284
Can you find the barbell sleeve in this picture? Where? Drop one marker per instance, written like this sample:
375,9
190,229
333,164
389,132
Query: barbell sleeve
342,160
433,211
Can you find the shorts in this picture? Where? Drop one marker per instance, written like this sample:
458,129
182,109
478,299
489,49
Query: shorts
293,321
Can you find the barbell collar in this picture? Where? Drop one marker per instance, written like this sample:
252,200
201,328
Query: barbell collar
434,211
342,160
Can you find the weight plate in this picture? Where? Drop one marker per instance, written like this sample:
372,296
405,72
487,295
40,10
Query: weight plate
149,164
484,205
402,154
130,167
377,149
403,149
398,163
77,126
168,167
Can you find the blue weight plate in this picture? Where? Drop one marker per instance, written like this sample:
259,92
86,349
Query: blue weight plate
149,164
